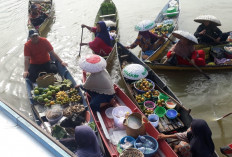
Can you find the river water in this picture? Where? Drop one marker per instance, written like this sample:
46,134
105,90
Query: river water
208,99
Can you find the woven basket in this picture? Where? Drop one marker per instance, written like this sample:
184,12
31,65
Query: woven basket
131,152
45,79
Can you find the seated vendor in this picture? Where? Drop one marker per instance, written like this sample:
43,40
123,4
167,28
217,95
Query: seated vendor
37,17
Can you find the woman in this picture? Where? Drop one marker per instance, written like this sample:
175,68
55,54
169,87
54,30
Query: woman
99,84
37,17
184,50
148,42
208,32
101,45
85,142
195,142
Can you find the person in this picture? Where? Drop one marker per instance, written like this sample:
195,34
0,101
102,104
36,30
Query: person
195,142
101,45
184,50
37,17
37,53
208,32
99,84
85,142
148,42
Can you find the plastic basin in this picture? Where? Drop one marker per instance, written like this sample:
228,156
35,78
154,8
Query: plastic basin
154,119
163,96
150,105
119,115
142,91
171,113
160,111
170,104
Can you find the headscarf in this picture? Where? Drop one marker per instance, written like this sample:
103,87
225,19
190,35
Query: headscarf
183,50
100,82
86,141
103,34
201,143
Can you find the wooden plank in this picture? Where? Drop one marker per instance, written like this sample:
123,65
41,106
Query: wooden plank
168,123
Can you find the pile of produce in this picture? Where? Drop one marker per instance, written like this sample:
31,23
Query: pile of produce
108,8
166,27
144,85
59,93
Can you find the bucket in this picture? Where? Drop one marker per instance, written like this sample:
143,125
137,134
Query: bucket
119,115
160,111
163,96
154,119
135,125
149,105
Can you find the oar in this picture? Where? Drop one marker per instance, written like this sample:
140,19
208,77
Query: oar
199,69
223,116
173,42
81,40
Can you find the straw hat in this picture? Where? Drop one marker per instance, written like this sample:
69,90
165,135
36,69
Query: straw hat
134,72
92,63
145,25
210,18
183,34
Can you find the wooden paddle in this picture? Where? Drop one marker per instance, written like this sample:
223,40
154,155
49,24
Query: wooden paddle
81,40
199,69
223,116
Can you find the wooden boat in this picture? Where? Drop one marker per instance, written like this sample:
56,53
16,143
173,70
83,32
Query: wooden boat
109,13
39,110
166,125
227,150
166,24
124,56
124,100
45,6
158,65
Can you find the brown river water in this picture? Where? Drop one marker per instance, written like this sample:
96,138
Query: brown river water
208,99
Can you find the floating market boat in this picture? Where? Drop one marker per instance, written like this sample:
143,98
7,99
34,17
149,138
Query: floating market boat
109,14
105,125
211,63
166,23
73,109
46,10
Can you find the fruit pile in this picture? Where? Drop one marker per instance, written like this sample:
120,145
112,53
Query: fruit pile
139,98
163,28
62,98
144,85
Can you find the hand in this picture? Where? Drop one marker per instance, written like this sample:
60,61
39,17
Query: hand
173,52
83,26
25,74
161,136
128,47
203,32
77,86
218,40
64,64
81,44
192,61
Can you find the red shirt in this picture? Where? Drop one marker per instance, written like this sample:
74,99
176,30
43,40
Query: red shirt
38,52
99,46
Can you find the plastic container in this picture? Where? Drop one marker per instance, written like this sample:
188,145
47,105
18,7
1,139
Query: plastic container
163,96
141,91
150,105
149,142
133,152
171,12
125,139
170,104
154,119
160,111
171,113
108,112
119,115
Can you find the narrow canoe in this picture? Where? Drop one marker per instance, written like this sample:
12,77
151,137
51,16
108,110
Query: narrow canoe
39,111
124,56
109,13
124,100
45,6
157,65
163,18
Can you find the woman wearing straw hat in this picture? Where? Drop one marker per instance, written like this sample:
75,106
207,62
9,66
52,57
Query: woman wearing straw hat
148,41
184,50
208,32
99,84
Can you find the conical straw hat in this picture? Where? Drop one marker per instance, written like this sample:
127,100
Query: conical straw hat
145,25
210,18
183,34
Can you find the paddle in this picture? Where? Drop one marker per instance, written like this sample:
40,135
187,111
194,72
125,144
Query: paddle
173,42
223,116
199,69
81,40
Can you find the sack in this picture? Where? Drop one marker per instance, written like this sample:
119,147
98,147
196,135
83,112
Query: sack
173,60
45,79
